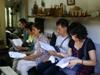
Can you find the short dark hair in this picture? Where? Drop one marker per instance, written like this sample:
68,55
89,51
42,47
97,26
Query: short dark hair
22,20
29,26
74,25
80,31
38,26
63,22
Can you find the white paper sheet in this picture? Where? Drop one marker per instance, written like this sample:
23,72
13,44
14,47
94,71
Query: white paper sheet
65,61
46,46
17,42
52,59
16,55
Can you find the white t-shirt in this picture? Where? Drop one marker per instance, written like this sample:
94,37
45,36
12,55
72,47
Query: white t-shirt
62,46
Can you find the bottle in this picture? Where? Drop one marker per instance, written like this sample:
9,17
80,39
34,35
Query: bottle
62,9
43,5
35,8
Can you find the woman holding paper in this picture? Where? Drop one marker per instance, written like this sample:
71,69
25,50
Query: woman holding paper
82,47
39,55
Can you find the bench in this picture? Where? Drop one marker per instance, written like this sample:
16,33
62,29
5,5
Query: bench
6,70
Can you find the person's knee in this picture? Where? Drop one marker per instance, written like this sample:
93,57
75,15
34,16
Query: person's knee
71,72
23,69
20,64
43,66
52,70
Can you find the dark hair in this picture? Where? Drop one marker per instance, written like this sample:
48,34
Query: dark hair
38,26
80,31
63,22
73,25
22,20
29,26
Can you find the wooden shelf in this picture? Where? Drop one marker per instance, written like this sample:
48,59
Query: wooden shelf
52,17
57,16
68,17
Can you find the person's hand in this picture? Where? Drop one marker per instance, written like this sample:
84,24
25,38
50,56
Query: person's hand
54,53
25,48
18,47
72,63
62,54
40,53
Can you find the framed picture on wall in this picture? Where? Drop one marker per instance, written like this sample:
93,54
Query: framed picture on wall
70,2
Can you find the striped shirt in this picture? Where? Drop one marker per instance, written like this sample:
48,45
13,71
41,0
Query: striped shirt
38,48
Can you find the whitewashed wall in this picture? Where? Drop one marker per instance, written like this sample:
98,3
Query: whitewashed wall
93,28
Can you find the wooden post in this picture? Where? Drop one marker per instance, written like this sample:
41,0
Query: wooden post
2,24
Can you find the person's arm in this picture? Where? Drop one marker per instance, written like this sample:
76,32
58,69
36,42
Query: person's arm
91,62
68,53
59,54
54,53
22,48
92,54
33,56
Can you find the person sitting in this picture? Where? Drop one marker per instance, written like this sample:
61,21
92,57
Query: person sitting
61,45
39,54
30,40
78,46
22,33
26,45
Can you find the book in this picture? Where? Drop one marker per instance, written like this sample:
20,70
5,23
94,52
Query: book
16,55
52,59
65,62
46,46
17,42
